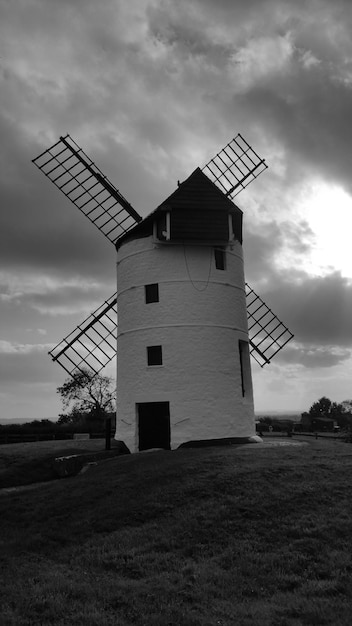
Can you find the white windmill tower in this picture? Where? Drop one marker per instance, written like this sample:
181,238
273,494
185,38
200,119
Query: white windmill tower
188,322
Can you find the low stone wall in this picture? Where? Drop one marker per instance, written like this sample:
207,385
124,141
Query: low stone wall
65,466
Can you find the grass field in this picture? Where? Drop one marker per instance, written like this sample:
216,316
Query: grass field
255,535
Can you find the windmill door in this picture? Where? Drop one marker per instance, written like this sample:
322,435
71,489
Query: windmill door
154,425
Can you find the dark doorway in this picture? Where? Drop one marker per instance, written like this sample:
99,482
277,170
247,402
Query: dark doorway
154,425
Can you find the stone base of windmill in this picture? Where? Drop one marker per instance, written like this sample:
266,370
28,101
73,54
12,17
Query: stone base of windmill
204,443
179,441
174,431
225,441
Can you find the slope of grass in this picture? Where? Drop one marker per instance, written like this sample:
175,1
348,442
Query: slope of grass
26,463
253,535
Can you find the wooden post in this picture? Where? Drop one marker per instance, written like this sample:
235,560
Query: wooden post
108,433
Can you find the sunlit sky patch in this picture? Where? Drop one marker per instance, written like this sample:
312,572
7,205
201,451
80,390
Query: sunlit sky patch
328,210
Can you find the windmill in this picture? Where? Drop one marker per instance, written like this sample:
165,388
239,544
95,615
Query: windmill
188,322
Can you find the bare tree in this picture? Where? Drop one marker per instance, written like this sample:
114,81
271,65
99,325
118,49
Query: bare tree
88,393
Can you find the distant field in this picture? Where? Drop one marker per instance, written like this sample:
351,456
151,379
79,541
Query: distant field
252,535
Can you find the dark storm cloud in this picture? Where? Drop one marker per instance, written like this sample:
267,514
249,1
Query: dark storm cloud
40,230
286,73
306,108
311,127
53,297
265,242
316,309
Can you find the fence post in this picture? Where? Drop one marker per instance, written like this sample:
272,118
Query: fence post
108,433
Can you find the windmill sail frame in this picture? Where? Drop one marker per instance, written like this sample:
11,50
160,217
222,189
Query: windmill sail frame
267,334
234,167
92,345
82,182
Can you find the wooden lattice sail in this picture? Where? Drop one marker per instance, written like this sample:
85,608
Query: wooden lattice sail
267,334
92,345
82,182
234,167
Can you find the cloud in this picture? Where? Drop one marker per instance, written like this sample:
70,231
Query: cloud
268,245
7,347
309,119
24,363
52,295
312,356
291,84
261,59
317,309
40,331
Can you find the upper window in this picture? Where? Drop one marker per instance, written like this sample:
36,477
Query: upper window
220,259
154,355
151,293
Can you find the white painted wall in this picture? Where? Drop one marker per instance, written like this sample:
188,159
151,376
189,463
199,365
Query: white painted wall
200,316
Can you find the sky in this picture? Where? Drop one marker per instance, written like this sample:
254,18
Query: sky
152,89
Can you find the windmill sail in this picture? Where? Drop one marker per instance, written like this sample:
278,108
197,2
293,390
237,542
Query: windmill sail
92,345
75,174
267,334
234,167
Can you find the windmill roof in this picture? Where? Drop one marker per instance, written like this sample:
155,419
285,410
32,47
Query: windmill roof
196,192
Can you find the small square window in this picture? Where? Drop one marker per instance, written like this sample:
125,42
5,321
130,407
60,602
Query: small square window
220,259
155,355
151,293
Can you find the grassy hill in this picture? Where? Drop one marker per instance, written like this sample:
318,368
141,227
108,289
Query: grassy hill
215,536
